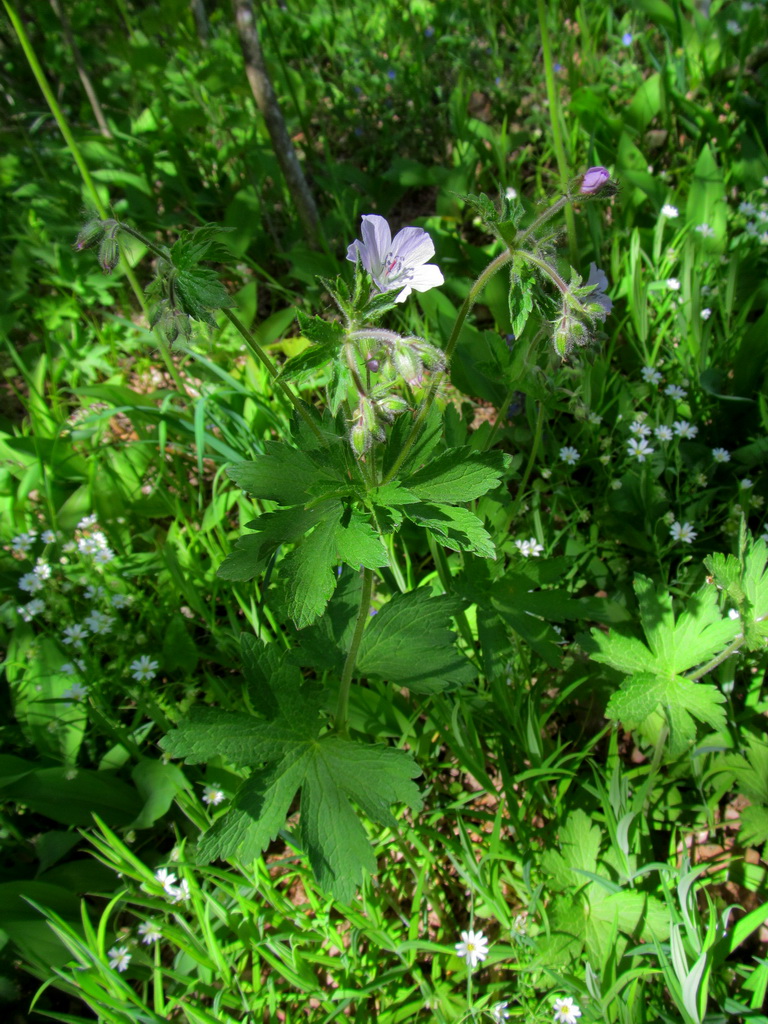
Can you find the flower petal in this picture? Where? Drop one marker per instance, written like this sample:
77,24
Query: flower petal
426,277
377,238
413,246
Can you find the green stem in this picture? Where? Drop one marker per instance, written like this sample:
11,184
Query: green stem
342,705
718,659
550,212
554,117
69,138
426,405
256,350
531,460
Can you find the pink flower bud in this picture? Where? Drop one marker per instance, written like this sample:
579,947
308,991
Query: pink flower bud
593,180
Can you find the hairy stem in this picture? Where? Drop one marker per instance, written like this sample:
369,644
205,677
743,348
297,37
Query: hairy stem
256,350
342,704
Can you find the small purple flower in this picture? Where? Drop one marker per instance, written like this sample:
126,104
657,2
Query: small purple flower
593,180
557,68
626,39
396,263
391,74
599,281
429,31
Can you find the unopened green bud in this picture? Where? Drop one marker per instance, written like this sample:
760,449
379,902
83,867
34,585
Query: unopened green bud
109,254
389,407
90,234
360,439
407,364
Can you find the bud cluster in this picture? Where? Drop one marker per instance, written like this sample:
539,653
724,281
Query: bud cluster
104,234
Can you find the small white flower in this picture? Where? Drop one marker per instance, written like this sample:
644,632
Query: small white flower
143,668
675,392
48,537
103,555
399,263
511,193
121,600
748,209
167,879
639,448
212,796
669,211
705,230
706,313
733,27
663,433
721,455
566,1011
23,542
650,375
683,532
42,570
764,537
87,522
529,548
181,892
71,669
77,691
673,284
685,429
595,419
99,623
746,483
519,926
615,485
569,455
639,428
499,1012
150,932
31,583
473,948
75,634
747,6
119,958
733,613
94,593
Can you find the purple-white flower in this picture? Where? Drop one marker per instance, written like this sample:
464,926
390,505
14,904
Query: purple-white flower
593,180
396,263
599,282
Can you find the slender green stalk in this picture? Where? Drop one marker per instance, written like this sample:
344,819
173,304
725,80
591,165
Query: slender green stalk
69,138
732,648
426,405
342,705
256,350
531,460
554,117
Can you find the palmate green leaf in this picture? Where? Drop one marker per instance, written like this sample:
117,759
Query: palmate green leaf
411,643
457,475
320,332
745,581
252,552
357,543
307,574
197,289
284,474
303,366
454,527
330,773
672,647
681,700
754,826
656,685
